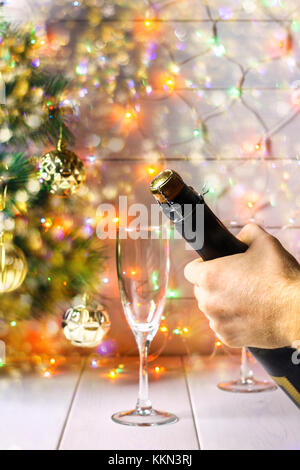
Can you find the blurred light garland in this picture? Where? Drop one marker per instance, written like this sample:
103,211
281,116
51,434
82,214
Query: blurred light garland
122,59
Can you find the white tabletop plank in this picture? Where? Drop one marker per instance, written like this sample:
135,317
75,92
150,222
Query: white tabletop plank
90,426
33,409
227,420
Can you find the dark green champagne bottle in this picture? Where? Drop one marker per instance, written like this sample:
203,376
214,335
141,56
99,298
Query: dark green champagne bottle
210,238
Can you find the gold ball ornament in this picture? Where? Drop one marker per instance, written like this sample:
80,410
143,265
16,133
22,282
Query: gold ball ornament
62,170
86,325
21,88
13,266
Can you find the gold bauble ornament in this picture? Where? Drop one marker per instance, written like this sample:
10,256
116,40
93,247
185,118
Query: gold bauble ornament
3,195
13,266
21,88
62,170
86,325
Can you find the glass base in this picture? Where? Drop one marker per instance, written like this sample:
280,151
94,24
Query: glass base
144,418
247,386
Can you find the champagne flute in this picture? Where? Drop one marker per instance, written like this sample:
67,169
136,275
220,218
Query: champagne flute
246,382
143,272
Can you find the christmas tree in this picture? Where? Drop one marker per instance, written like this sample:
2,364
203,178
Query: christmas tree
81,73
63,253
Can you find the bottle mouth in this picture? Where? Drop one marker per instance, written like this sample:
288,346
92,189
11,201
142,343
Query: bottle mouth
166,185
160,179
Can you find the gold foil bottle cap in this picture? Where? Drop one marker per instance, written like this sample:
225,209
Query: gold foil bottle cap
166,186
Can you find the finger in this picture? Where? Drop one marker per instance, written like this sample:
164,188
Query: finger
250,233
193,271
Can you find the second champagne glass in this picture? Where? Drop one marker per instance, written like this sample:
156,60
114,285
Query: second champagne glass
143,271
246,382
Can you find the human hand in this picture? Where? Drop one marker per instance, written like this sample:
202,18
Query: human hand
253,298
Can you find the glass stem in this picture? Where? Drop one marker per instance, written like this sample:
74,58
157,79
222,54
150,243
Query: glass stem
246,369
143,405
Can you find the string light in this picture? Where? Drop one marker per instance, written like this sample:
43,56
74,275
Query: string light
234,92
177,331
169,84
172,294
115,372
46,223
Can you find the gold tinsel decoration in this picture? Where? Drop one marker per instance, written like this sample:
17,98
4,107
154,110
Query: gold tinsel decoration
62,170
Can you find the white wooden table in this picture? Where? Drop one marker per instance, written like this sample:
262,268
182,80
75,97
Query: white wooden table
72,410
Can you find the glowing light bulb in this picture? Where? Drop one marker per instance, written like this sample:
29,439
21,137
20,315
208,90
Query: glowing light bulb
164,329
46,223
52,360
218,344
177,331
112,374
175,68
234,92
147,23
171,294
168,84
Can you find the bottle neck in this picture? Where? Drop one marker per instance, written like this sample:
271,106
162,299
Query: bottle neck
183,203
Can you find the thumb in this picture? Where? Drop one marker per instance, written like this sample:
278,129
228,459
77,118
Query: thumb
250,233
